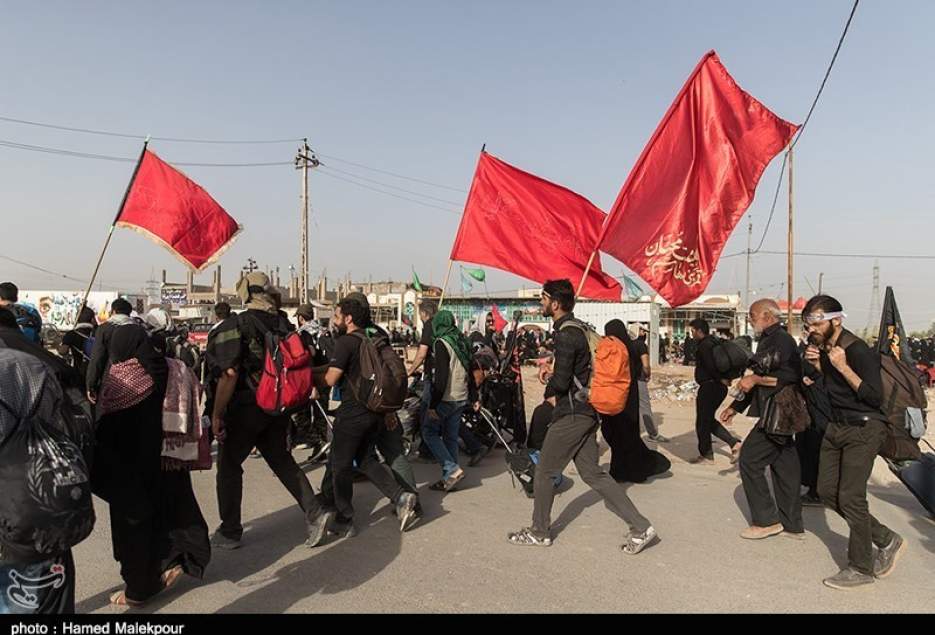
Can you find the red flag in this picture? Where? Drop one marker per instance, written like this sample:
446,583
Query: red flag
520,223
693,182
499,323
177,213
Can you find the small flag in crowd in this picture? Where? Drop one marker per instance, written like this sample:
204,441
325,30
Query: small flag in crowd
499,323
177,213
892,339
477,274
415,281
633,290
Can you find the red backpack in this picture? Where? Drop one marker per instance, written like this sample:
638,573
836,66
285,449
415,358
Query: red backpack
285,384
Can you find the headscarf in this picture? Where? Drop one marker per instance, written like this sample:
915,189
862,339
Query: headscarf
616,328
158,320
259,298
443,328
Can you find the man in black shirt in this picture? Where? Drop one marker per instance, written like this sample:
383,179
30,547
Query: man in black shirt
761,450
239,425
711,393
852,441
640,337
573,433
355,428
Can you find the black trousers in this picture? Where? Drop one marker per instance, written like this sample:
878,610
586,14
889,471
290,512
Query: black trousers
353,440
758,452
249,427
847,456
808,445
711,395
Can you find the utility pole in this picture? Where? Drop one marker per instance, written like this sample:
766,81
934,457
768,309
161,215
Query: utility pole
791,261
304,160
874,315
820,276
746,297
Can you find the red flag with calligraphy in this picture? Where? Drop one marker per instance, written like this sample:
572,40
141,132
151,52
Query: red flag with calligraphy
693,182
177,213
518,222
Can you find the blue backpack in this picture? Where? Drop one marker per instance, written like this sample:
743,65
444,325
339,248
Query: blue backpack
29,321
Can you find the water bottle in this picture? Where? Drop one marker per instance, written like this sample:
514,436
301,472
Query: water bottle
736,393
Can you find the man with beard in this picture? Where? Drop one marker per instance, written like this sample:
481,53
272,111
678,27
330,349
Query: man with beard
852,441
356,429
572,436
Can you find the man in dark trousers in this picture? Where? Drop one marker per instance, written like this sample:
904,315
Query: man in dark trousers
852,441
573,433
711,393
239,424
356,429
761,450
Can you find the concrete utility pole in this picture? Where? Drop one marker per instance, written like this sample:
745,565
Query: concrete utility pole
873,317
304,160
746,297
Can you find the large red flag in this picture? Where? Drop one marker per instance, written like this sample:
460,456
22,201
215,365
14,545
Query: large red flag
177,213
693,182
520,223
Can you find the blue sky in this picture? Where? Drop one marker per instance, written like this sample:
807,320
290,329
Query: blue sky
570,91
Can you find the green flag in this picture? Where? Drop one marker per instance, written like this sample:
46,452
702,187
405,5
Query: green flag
415,281
478,274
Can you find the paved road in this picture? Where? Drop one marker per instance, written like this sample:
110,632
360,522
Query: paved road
458,559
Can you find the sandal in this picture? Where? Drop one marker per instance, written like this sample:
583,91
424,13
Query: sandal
527,537
636,543
120,599
438,486
171,576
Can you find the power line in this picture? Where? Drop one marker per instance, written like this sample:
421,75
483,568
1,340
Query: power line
833,255
388,173
49,271
392,187
399,196
121,135
105,157
798,135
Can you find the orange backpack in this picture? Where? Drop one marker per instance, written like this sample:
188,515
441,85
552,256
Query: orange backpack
609,385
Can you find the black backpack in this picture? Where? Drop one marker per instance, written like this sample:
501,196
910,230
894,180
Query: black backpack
903,396
730,359
46,506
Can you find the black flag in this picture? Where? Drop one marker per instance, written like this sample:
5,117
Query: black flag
892,340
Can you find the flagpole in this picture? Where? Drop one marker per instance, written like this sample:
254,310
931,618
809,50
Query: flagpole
445,287
110,232
586,270
791,241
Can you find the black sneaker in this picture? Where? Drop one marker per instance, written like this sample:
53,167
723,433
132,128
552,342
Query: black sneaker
479,456
848,579
885,558
811,500
221,541
318,527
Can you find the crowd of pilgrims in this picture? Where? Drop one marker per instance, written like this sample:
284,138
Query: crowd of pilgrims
158,406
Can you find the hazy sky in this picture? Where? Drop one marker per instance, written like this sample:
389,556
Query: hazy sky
569,91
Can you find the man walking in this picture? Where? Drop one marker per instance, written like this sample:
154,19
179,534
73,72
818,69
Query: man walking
711,393
640,335
852,441
761,450
573,433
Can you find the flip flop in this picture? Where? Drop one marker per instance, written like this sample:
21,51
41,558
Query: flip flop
120,599
438,486
171,576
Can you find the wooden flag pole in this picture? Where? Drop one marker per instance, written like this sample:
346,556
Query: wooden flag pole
110,232
586,271
445,286
791,257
